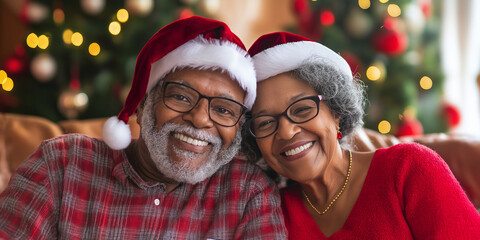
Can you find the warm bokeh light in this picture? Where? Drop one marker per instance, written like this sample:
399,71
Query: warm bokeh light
122,15
383,1
394,10
77,39
426,83
58,16
43,42
67,36
410,112
3,76
364,4
32,40
384,127
8,84
374,73
114,28
94,49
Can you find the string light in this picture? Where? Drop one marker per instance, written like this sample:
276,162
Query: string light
58,16
7,84
122,15
373,73
43,42
32,40
426,83
67,36
394,10
383,1
3,76
364,4
94,49
77,39
114,28
384,127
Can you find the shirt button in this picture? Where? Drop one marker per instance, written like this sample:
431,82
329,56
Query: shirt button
157,202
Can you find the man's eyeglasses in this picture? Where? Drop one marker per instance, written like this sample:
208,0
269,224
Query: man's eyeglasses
182,98
300,111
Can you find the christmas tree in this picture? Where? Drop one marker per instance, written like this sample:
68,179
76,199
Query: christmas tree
78,59
393,47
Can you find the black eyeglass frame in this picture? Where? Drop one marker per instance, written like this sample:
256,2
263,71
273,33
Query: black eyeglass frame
209,99
317,99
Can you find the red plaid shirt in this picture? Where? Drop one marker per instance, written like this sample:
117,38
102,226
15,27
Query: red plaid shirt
75,187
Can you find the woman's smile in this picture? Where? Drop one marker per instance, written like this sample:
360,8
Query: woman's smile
296,151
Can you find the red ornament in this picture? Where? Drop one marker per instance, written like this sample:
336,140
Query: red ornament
339,135
185,13
452,114
327,18
409,126
390,42
353,61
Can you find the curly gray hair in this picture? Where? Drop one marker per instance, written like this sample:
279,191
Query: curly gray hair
344,97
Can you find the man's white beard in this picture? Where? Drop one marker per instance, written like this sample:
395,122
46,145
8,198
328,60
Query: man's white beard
157,143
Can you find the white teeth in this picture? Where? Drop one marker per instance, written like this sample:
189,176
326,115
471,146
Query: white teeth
298,149
190,140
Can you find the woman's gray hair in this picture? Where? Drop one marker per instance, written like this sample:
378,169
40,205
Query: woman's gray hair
344,97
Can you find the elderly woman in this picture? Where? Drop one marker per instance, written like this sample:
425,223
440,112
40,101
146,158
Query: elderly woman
307,105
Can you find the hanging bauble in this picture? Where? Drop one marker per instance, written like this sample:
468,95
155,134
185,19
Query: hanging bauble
139,7
14,64
43,67
452,115
93,7
35,12
390,42
414,18
409,126
71,103
358,24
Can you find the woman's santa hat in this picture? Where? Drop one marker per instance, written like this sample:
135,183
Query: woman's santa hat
193,42
280,52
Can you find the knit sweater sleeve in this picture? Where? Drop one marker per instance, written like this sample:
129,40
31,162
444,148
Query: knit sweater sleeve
435,206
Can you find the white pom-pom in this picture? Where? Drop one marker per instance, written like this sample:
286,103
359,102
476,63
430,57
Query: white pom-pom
116,133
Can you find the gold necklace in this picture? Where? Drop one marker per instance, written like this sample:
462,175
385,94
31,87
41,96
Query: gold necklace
339,193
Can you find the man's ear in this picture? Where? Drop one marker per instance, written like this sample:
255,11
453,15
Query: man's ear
139,111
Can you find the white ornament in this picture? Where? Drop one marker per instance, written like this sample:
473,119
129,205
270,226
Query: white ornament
140,7
93,7
414,18
36,12
43,67
358,24
72,103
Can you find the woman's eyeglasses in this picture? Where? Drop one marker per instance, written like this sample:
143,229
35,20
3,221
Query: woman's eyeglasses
300,111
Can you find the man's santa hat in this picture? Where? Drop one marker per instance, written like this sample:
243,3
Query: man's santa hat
280,52
193,42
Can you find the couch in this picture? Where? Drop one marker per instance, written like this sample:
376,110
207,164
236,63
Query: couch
20,135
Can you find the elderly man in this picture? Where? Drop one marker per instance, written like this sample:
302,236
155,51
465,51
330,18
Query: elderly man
192,84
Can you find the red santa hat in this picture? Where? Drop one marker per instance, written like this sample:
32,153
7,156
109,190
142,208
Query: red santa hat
280,52
193,42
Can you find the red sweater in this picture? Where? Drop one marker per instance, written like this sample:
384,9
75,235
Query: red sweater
409,193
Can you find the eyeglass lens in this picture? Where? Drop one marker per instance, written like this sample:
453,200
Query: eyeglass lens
182,98
300,111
